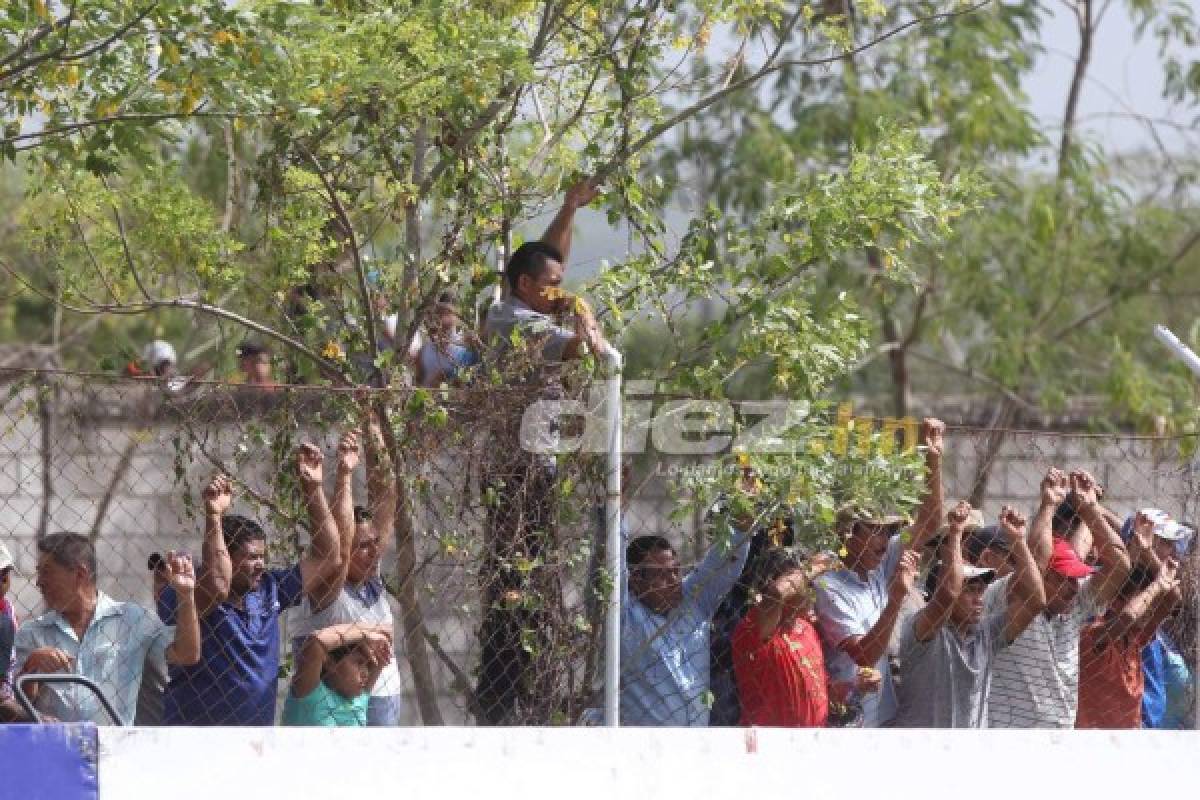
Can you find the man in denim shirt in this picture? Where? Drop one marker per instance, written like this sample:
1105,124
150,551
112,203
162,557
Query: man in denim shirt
666,625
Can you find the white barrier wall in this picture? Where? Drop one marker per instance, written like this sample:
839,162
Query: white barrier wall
630,764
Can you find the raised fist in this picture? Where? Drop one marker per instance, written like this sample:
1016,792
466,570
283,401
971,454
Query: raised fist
1085,489
348,451
905,577
1054,487
181,575
581,194
933,436
957,518
218,495
309,459
1012,522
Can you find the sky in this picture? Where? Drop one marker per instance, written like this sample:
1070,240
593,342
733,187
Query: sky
1124,76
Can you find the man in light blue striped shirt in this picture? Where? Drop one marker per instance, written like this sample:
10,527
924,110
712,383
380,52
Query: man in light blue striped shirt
666,626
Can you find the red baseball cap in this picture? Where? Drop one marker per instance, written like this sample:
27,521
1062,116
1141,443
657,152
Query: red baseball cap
1066,562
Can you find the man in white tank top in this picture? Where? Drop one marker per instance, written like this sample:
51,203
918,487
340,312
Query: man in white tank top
365,534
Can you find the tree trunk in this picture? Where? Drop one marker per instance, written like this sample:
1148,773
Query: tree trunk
997,433
411,617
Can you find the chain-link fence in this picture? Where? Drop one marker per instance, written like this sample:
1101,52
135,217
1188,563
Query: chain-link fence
490,580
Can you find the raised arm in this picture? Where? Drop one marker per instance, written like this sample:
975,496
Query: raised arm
343,502
1114,558
184,651
321,560
1151,607
216,568
950,577
1026,593
558,235
317,647
1053,494
381,484
867,650
929,515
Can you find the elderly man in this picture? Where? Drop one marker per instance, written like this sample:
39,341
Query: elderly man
239,602
858,607
1036,680
88,633
948,647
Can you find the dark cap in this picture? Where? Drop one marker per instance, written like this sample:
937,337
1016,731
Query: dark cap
980,539
155,562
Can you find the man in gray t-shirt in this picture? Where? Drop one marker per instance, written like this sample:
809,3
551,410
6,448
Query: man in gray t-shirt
948,647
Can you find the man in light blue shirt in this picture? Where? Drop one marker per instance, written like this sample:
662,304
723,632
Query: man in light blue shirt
666,625
87,633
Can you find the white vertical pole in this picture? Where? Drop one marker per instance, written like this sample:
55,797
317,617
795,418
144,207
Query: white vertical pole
614,549
1189,357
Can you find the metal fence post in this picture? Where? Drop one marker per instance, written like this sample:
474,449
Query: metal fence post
1188,357
614,551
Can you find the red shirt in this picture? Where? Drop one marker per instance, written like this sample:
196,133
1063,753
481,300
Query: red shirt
1110,678
781,681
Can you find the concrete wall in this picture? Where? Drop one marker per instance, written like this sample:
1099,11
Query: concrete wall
533,763
148,514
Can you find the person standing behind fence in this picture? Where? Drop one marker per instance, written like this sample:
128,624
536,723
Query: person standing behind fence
364,536
777,657
857,607
240,602
947,648
87,633
528,347
336,668
1110,664
1036,681
665,627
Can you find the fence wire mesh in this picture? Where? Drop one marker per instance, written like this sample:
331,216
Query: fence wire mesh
491,587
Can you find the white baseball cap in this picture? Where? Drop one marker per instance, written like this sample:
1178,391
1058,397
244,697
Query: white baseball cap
157,352
1165,527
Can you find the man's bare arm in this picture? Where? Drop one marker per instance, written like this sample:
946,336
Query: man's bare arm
929,515
1027,593
867,650
216,568
558,235
1114,558
321,560
950,579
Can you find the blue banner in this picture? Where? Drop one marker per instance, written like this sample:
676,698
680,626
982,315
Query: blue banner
48,762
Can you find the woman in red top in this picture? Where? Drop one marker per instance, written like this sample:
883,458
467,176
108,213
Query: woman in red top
777,659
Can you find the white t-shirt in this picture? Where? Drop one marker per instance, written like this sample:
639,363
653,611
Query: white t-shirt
366,605
1035,681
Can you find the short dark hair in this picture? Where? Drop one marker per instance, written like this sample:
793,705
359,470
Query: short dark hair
361,515
1066,518
774,564
250,349
70,550
1141,577
239,530
642,546
530,259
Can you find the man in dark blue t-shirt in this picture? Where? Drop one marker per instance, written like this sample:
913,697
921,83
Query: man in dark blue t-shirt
239,602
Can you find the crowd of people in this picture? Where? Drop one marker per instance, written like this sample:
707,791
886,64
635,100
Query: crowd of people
1052,620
